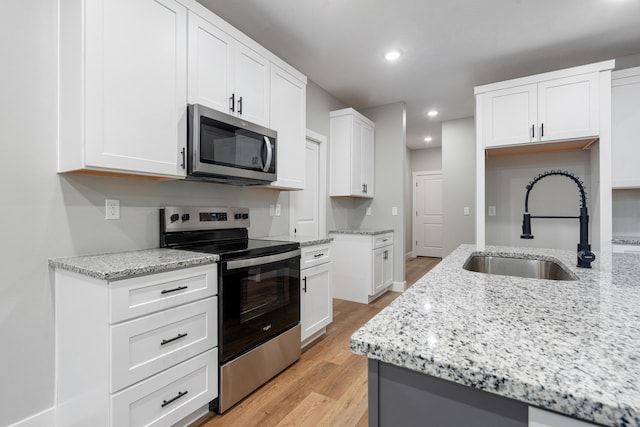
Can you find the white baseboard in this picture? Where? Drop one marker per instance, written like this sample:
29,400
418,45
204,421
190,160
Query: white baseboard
45,418
408,255
399,286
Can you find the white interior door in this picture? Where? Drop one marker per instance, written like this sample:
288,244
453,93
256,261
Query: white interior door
307,206
427,219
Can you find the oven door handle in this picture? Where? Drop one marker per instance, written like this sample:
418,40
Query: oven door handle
252,262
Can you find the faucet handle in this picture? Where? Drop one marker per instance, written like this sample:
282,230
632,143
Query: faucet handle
585,256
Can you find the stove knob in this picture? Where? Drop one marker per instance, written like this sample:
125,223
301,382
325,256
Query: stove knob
174,217
237,216
185,217
245,216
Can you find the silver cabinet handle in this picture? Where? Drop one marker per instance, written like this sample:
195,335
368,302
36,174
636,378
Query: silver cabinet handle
267,163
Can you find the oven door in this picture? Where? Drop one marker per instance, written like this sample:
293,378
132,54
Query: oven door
259,299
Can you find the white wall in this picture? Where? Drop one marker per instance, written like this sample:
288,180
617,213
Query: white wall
426,159
458,183
390,150
48,215
506,181
626,213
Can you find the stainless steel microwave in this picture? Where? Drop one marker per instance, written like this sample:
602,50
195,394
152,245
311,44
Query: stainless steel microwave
225,148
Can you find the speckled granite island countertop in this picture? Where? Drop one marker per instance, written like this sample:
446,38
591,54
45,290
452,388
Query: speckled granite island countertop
303,240
123,265
363,231
569,347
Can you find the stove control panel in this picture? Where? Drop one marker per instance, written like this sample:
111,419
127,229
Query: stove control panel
174,218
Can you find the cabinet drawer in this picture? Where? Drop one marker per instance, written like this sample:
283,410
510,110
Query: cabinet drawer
138,296
382,240
169,396
143,347
315,255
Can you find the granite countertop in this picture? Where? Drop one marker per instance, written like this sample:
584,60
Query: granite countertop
626,240
303,240
363,231
123,265
570,347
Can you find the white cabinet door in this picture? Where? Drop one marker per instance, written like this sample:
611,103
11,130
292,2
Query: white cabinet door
316,308
210,64
357,186
367,160
135,82
378,270
288,118
226,75
568,108
625,119
387,266
511,116
251,86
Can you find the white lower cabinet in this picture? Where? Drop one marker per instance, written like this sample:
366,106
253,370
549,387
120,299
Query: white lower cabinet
138,351
363,266
316,301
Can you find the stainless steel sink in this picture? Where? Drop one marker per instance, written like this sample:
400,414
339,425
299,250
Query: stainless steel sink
519,267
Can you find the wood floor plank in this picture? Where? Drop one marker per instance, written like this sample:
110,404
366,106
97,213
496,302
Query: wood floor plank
328,385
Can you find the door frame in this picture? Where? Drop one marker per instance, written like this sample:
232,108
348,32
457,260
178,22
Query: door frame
414,204
322,184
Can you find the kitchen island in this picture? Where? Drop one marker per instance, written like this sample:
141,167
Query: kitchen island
460,345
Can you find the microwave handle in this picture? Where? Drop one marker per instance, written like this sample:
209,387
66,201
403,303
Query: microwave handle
267,163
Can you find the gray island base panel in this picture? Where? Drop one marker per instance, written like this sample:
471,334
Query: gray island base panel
401,397
568,347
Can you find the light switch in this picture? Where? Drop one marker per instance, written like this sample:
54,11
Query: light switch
278,210
466,210
492,211
394,210
369,210
272,210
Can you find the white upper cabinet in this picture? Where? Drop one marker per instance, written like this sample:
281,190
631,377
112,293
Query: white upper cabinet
226,75
625,119
352,154
549,110
123,87
288,118
511,115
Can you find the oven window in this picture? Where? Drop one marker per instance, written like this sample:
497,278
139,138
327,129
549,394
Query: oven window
226,145
258,303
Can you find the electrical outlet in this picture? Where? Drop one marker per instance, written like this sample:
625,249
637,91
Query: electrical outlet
369,210
492,211
111,209
278,210
467,211
272,210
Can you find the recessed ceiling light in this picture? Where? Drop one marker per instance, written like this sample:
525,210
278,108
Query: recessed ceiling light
392,55
428,139
432,113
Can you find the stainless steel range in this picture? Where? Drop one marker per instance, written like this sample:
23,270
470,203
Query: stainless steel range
258,295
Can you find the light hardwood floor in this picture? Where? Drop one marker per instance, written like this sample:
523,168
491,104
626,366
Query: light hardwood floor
328,385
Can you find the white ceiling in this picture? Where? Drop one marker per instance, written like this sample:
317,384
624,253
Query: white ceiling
449,46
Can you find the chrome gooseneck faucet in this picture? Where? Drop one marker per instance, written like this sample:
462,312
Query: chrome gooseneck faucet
585,256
